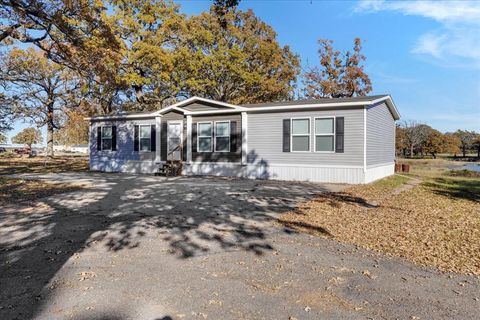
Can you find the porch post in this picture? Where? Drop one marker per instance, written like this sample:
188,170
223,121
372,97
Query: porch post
158,126
189,139
244,138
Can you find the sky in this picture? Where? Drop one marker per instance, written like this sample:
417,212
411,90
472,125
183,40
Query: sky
425,54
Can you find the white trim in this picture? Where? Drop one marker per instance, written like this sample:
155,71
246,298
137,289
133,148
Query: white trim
324,134
189,139
364,140
158,127
215,135
211,137
244,137
181,136
301,135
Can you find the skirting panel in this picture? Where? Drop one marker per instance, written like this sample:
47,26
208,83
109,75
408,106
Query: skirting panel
379,172
126,166
350,175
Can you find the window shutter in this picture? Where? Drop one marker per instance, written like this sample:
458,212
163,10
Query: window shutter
99,138
286,135
233,136
153,138
194,137
135,139
114,138
339,134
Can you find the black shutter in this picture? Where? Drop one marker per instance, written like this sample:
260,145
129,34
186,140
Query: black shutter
135,139
194,137
286,135
114,138
99,138
153,138
339,133
233,136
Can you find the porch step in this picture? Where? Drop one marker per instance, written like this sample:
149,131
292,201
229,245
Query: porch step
170,169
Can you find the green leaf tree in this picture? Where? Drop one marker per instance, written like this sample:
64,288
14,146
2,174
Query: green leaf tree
3,138
339,74
28,136
241,63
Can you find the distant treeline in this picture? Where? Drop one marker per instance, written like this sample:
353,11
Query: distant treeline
414,139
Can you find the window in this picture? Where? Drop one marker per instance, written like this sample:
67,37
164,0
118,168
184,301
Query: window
222,136
324,134
204,139
107,138
300,135
145,138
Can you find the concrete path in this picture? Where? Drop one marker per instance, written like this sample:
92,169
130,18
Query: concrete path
142,247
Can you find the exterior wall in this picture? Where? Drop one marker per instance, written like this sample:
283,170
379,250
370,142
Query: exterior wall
380,136
203,106
219,156
265,136
124,159
379,172
169,116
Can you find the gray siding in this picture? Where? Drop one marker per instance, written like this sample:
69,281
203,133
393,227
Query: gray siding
220,156
125,137
380,135
172,115
265,134
203,106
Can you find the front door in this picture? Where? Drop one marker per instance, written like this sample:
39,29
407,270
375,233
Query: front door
174,140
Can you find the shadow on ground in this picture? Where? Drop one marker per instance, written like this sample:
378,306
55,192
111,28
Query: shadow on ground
192,216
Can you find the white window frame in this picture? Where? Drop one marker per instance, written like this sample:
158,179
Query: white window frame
199,136
324,134
140,137
229,135
111,137
180,122
301,135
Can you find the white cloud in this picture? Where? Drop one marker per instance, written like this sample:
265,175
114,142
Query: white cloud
459,36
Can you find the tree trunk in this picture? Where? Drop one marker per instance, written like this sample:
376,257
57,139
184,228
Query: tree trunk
464,151
50,128
411,151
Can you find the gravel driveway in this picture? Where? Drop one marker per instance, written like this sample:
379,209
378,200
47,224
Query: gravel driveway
142,247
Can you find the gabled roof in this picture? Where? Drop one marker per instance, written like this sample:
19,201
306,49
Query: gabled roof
326,103
299,105
178,105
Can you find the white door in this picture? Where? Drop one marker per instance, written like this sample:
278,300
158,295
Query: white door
174,142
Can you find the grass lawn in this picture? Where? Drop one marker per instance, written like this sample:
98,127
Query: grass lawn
39,165
433,223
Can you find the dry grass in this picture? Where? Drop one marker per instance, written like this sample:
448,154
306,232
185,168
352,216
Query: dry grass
39,165
436,223
19,190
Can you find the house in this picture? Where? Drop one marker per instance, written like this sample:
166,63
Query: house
76,148
343,140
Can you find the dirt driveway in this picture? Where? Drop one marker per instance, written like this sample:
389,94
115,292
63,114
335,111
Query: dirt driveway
142,247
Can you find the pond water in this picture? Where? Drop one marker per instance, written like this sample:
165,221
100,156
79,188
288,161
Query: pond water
468,166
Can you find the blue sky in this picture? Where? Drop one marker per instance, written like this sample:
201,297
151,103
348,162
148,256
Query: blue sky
425,54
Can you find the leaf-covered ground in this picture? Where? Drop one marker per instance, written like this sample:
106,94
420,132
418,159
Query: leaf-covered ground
436,223
40,165
19,190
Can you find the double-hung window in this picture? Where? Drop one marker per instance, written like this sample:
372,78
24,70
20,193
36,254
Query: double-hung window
325,134
145,138
300,135
107,138
222,136
204,136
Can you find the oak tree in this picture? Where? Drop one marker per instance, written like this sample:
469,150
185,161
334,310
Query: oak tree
38,88
28,136
340,74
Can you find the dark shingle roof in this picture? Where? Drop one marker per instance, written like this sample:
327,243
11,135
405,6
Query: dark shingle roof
315,101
